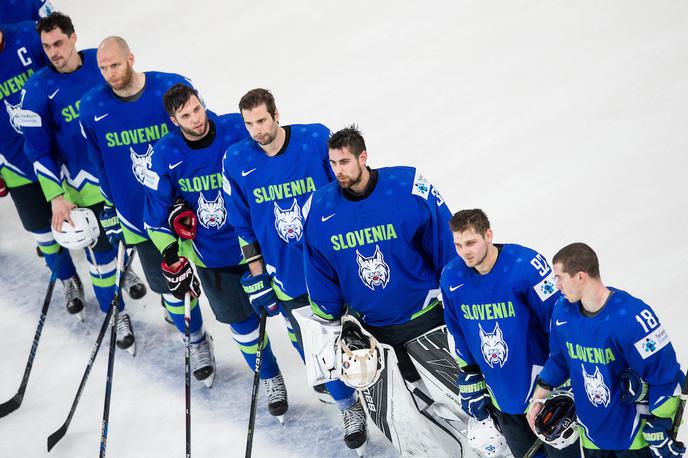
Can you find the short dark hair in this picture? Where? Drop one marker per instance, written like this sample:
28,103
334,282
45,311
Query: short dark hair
53,21
177,96
578,257
475,219
349,137
256,97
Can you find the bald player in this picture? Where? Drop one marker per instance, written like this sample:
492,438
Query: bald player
122,120
53,143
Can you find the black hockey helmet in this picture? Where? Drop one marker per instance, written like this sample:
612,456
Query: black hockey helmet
556,423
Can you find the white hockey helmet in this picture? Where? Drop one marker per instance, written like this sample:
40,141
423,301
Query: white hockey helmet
556,424
358,354
84,233
485,438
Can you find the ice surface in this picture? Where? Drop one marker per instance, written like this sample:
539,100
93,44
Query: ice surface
563,121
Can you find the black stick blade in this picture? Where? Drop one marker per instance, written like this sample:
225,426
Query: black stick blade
10,406
55,437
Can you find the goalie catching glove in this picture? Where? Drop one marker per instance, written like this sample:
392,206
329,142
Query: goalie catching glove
555,424
358,355
484,437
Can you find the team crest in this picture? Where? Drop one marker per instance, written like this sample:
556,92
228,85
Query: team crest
211,213
597,391
373,271
289,223
13,111
493,346
141,164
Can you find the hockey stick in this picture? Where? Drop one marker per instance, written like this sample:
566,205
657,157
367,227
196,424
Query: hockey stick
533,449
256,381
16,401
187,369
55,437
114,306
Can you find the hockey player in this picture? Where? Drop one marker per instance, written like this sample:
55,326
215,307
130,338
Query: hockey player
187,164
268,180
497,297
599,333
122,120
21,55
383,261
24,10
54,145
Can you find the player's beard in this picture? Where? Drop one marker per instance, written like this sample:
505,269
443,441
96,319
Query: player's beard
193,134
347,182
125,81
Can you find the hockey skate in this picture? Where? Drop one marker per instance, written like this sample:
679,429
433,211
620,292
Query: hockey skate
277,396
324,396
74,297
203,361
133,285
355,428
125,334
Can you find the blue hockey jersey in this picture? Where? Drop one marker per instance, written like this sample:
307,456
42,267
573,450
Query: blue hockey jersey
500,321
382,255
20,57
24,10
265,198
178,170
594,350
54,142
120,136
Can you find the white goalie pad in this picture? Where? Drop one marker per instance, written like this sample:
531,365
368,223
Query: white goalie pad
406,418
438,369
319,338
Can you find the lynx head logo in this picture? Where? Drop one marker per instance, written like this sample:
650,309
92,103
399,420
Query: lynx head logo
211,213
373,271
597,391
494,347
140,164
13,112
289,223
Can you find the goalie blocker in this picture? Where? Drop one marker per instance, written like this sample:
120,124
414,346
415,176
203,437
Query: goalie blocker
428,404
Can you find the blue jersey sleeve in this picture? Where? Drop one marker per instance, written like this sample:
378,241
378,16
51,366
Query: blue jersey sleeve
160,195
96,157
556,371
322,283
459,345
539,290
648,351
40,145
238,212
435,237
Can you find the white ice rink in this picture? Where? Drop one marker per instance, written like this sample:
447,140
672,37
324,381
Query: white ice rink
565,121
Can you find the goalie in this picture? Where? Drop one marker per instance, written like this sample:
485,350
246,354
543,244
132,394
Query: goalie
384,262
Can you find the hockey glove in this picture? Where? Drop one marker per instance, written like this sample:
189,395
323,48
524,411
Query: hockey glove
3,188
473,393
260,293
633,388
657,433
181,279
110,222
182,220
